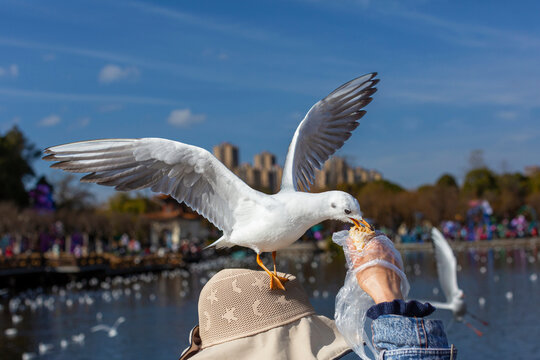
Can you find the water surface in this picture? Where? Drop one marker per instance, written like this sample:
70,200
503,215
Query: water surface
160,309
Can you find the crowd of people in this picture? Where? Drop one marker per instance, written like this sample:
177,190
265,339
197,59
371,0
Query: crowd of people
473,230
56,241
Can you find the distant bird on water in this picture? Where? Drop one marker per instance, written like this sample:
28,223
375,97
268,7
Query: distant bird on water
447,271
111,331
249,218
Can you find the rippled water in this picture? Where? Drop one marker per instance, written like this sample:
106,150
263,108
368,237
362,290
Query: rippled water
160,309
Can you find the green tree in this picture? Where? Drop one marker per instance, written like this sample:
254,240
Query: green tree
122,202
512,192
447,180
534,182
479,182
16,156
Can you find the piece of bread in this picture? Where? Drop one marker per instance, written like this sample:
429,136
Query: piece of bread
360,236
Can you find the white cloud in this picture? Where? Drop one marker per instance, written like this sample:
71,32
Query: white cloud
9,71
113,73
184,118
50,120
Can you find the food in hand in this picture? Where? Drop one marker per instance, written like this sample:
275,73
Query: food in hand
360,234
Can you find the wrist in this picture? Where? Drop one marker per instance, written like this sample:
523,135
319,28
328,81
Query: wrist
382,285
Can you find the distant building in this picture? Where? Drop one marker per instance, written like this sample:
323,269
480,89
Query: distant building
264,160
265,173
336,171
270,172
227,153
250,175
174,222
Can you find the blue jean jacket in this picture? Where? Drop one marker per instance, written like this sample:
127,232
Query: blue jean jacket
401,333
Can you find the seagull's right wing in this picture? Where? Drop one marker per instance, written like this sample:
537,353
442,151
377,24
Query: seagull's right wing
326,126
187,173
446,264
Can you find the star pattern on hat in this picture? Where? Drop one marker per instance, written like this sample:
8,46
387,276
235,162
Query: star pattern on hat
282,300
255,308
258,283
229,315
235,288
207,326
212,297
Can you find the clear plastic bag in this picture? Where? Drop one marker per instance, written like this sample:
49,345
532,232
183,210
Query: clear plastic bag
352,302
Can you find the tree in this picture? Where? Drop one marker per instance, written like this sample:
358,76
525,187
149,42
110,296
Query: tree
476,159
122,202
70,194
447,180
512,193
16,156
380,200
534,182
479,182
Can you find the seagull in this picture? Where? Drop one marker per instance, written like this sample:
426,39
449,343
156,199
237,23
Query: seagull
15,319
247,217
44,348
11,332
447,271
78,339
111,330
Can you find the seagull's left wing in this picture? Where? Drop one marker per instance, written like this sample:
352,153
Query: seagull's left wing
327,125
446,264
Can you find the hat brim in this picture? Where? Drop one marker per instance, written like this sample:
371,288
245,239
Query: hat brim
310,337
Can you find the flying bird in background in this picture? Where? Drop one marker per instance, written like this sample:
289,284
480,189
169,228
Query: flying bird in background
249,218
447,271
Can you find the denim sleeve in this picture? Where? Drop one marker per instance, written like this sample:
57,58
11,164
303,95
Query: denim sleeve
399,337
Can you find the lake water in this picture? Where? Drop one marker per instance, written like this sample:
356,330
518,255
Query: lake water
160,309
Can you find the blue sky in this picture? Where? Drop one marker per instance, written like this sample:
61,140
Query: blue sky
455,76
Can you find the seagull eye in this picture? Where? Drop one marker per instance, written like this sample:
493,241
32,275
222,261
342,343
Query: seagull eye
347,211
333,205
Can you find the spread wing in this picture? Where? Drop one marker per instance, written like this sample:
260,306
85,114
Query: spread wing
100,328
327,125
187,173
446,264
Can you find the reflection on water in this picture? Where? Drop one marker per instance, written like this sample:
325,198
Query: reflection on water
160,309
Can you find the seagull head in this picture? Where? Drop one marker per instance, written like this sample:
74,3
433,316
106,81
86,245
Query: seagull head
344,207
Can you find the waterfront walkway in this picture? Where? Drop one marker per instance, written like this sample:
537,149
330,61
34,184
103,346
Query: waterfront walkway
482,244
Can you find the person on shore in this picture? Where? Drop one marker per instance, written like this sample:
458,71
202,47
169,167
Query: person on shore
241,318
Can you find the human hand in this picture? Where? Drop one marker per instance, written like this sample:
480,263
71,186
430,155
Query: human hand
378,281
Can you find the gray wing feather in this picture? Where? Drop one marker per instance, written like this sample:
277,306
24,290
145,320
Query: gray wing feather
187,173
324,130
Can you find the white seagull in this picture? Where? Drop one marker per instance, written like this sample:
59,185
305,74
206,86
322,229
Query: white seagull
447,271
249,218
111,330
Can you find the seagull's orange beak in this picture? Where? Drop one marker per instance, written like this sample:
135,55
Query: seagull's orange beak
363,223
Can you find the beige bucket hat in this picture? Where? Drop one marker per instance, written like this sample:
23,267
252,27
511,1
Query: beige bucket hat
241,318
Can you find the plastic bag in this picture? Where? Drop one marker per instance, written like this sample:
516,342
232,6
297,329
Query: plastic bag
352,302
